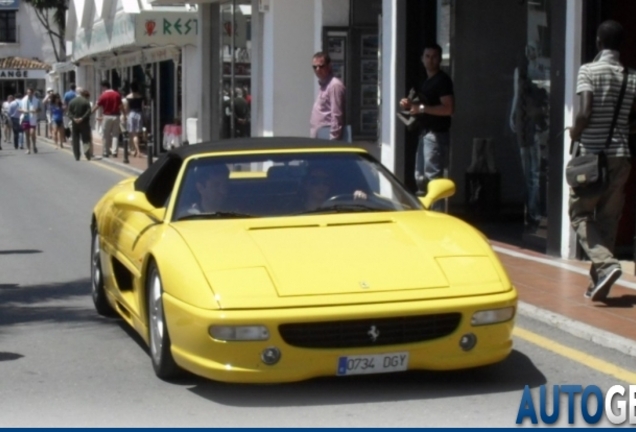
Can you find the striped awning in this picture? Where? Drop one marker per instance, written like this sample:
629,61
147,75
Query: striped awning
23,63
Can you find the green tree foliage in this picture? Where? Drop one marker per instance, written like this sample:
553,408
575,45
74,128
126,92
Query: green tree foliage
52,16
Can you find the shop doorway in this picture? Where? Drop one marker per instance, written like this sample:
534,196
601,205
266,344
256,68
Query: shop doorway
167,103
421,29
504,88
10,88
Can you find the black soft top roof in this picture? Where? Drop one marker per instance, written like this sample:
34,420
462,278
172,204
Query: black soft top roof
157,181
259,143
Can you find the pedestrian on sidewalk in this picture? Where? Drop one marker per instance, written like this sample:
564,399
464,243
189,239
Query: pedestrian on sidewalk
595,218
30,108
57,119
111,105
14,115
433,109
46,106
7,127
79,112
134,103
328,112
66,100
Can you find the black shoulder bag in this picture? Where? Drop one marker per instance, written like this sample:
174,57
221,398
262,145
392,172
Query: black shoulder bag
587,175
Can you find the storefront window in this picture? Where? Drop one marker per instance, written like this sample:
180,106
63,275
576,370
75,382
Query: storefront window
530,116
236,50
444,31
500,128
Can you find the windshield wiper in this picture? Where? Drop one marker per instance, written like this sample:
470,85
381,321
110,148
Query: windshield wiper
216,215
344,208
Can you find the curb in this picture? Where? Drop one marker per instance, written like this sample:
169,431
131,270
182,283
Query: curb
579,329
120,165
108,161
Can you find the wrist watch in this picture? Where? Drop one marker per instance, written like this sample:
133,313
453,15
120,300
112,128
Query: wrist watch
422,108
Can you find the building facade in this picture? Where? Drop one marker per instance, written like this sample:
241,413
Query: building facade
514,67
128,41
25,52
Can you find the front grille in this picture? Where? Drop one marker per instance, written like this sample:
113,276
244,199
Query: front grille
369,332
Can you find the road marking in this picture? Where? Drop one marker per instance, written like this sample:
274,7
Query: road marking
588,360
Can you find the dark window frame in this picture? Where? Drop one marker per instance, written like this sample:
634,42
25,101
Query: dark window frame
8,27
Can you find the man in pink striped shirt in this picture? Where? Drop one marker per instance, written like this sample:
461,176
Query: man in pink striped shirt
329,108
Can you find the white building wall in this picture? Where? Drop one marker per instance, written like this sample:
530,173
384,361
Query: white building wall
335,13
289,41
392,75
192,78
32,40
573,42
195,117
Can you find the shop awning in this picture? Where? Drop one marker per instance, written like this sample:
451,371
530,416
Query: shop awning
140,56
128,31
62,67
23,63
12,68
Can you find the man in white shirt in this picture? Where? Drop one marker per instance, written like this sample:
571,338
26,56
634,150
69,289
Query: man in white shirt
30,108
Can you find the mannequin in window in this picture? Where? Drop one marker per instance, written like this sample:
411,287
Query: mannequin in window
527,119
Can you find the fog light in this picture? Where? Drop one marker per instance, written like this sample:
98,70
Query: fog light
492,316
270,356
468,341
239,333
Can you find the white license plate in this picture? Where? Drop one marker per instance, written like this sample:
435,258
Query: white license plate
373,364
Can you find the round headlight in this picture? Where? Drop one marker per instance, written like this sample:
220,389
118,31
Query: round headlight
270,356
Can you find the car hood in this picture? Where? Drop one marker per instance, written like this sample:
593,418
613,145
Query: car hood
340,259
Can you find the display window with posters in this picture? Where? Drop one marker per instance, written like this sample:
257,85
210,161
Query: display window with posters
236,68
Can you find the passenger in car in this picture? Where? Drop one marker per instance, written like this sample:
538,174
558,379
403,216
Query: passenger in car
318,187
211,184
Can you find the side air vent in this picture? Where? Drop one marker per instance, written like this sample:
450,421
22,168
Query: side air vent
123,277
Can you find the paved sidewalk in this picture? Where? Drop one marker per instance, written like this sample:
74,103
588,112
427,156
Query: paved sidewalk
550,289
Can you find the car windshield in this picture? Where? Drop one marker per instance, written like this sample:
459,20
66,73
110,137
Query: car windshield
272,185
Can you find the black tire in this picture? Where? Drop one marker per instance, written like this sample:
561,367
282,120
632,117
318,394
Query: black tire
97,279
159,340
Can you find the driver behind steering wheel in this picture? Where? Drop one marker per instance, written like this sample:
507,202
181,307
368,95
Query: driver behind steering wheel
318,188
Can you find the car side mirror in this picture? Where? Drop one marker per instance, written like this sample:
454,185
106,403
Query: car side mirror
133,201
438,189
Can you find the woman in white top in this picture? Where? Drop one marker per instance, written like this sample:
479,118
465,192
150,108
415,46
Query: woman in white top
134,103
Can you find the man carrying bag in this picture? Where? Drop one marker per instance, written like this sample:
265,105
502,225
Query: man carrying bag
601,161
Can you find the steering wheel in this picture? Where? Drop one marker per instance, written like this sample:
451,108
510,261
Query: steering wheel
340,197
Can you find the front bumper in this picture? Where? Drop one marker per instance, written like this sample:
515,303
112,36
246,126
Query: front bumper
196,351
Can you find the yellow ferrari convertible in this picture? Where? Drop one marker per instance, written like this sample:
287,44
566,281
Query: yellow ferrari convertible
282,259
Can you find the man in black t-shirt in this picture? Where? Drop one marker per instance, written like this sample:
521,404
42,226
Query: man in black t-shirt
434,109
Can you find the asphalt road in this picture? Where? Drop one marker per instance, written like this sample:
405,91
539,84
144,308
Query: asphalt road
63,365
